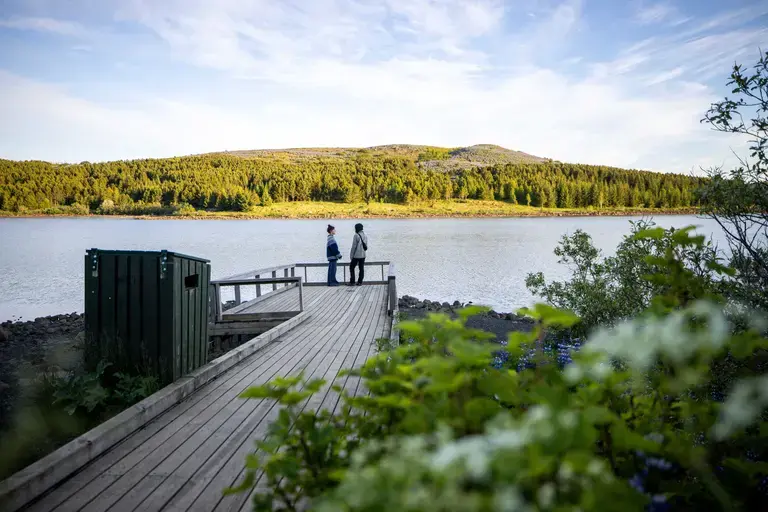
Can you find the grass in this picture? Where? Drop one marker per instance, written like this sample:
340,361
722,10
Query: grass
324,210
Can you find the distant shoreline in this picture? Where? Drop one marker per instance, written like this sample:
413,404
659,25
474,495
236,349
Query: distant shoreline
322,210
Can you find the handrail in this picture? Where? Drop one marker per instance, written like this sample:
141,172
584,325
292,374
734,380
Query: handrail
217,309
258,271
262,280
340,263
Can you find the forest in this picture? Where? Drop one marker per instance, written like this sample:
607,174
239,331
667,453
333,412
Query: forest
230,182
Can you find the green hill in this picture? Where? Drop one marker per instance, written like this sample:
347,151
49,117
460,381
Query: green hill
399,173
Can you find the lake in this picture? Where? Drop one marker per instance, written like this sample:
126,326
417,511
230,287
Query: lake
480,260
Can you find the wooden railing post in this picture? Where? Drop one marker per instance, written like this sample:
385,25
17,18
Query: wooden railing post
391,289
217,294
301,295
237,295
258,286
274,285
305,275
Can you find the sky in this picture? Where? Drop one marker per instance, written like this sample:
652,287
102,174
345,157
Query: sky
609,82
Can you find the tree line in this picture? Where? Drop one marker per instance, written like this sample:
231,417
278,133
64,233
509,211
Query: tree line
231,183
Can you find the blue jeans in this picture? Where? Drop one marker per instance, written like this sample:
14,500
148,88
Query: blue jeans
332,273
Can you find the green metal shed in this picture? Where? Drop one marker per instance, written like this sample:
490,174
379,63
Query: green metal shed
147,311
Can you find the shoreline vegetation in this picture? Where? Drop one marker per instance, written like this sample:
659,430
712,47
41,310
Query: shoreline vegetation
326,210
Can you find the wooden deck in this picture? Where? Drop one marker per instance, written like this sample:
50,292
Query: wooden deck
184,458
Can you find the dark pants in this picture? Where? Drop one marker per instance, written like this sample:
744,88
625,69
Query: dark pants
332,273
356,262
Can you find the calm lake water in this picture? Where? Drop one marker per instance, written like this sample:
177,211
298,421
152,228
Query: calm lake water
480,260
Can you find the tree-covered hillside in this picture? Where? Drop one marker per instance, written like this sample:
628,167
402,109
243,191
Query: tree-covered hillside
396,174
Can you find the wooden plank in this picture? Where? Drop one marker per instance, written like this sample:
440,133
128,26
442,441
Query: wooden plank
377,317
180,338
177,479
252,302
128,356
350,339
135,313
170,449
267,315
240,328
372,349
150,329
92,308
284,299
193,325
205,490
234,466
79,490
251,273
108,300
204,300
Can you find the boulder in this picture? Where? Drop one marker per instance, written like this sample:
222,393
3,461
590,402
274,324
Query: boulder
456,304
50,330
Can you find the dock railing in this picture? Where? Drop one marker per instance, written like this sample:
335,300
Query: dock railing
290,280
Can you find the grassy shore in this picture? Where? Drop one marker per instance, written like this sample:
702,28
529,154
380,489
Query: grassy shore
322,210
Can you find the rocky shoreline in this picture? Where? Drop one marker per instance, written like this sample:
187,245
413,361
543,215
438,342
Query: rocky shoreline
500,324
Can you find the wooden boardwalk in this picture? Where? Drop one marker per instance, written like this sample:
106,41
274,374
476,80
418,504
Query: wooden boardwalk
184,458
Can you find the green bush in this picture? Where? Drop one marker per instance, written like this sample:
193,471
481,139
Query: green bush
603,291
630,422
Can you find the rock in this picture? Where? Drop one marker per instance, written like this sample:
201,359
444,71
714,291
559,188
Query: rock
50,330
446,305
456,304
4,334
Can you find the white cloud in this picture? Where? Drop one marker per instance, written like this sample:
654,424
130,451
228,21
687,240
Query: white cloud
654,13
54,26
362,73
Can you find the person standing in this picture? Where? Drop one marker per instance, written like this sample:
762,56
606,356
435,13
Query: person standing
333,254
357,255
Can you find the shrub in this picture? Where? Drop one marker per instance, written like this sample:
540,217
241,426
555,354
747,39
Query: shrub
603,291
629,423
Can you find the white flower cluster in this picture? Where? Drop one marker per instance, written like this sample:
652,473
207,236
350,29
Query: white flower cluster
742,407
640,341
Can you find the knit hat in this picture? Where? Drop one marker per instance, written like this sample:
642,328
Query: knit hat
330,228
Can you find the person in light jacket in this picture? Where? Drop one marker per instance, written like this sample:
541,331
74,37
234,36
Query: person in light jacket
357,255
333,254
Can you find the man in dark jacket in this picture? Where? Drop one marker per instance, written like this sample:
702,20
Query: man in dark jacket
357,255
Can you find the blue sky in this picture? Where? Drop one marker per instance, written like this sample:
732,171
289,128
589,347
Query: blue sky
615,82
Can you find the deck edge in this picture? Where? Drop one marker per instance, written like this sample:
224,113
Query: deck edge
36,479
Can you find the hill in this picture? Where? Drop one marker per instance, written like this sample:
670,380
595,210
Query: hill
402,174
426,157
